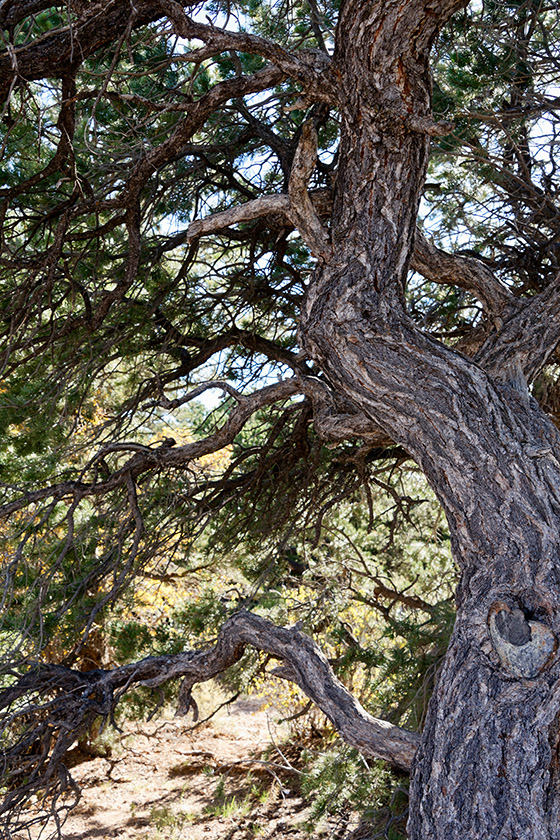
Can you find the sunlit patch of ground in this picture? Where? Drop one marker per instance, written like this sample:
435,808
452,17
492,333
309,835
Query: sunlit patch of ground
222,781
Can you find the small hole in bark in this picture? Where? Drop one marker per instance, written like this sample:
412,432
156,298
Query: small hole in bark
513,627
524,644
366,314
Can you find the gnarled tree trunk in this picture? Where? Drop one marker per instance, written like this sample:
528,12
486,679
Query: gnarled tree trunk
486,767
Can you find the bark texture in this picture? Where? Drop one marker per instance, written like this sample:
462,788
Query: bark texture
487,764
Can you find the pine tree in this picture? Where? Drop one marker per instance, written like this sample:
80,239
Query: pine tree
344,222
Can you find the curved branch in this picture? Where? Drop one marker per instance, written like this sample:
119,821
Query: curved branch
332,425
52,54
169,150
467,273
307,666
58,704
266,205
307,66
200,111
167,456
13,12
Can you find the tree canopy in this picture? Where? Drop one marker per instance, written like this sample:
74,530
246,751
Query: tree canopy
181,183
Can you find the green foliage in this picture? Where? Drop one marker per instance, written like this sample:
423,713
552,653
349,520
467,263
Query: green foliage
499,158
167,823
342,781
112,317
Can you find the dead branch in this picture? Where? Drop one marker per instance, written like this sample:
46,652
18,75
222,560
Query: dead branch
265,206
302,210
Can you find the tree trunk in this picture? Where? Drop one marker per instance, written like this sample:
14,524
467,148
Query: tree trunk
488,761
487,764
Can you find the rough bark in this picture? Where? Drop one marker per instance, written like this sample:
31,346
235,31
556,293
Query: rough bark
486,767
465,272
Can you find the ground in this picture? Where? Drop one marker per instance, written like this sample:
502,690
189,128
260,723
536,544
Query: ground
226,780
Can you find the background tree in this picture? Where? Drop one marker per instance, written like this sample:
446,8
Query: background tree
234,197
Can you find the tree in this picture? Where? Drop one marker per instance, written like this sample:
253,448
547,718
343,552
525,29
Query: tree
240,197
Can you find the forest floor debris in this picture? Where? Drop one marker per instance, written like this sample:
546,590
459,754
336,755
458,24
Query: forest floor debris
165,780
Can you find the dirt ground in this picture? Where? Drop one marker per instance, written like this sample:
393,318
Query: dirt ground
226,780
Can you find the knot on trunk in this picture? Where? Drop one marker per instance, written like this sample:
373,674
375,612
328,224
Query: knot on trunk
525,646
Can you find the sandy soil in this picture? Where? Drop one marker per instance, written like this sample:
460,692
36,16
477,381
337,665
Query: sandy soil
164,781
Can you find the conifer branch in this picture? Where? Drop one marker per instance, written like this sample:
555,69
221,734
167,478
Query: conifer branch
62,703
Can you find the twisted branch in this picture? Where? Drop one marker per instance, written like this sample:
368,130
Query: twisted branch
56,704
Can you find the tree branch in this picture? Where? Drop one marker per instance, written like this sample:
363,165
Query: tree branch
169,150
266,205
525,342
201,110
467,273
59,704
13,12
310,670
302,210
307,66
431,262
207,347
161,457
52,54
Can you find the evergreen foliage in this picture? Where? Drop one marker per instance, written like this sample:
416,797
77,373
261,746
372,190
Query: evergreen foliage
135,525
